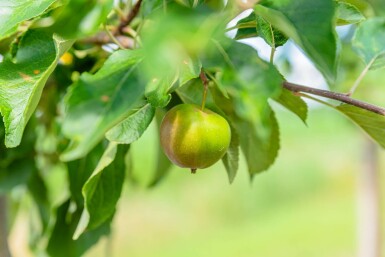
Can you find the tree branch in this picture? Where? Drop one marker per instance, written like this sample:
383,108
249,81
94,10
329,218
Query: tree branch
131,15
335,96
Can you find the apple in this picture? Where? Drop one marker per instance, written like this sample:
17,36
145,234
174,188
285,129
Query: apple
194,138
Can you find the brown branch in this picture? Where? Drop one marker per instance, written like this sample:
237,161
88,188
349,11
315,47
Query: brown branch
335,96
131,15
102,38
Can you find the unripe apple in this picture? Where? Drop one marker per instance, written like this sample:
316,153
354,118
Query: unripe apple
194,138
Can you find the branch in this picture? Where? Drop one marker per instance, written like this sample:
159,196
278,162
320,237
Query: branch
336,96
131,15
102,38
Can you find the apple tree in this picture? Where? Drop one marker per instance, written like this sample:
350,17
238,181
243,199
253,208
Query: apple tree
81,80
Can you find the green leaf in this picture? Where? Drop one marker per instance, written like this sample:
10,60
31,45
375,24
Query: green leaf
371,123
80,170
251,82
158,90
16,11
102,190
231,158
260,152
61,244
22,80
247,27
163,164
260,147
368,42
272,36
98,102
18,173
78,19
347,13
38,189
256,26
189,69
132,128
293,103
310,24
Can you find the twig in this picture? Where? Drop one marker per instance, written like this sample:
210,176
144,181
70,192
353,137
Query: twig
103,38
360,77
336,96
4,249
131,15
205,83
113,39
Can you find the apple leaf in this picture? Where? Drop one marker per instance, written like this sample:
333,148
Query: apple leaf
22,80
102,190
371,123
78,19
61,244
347,13
163,164
256,26
310,24
293,103
98,102
231,158
132,128
16,11
368,42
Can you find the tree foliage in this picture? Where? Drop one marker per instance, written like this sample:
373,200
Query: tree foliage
81,80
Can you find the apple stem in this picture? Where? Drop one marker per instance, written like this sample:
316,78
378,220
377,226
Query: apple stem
205,83
193,171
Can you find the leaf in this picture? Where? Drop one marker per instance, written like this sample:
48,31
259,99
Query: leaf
260,152
231,158
260,147
256,26
132,128
310,25
22,80
172,48
78,19
38,189
16,11
371,123
347,13
272,36
158,90
97,102
18,173
293,103
163,164
61,244
189,69
79,172
247,27
251,82
102,190
368,42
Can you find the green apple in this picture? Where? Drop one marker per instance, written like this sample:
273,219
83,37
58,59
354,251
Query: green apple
194,138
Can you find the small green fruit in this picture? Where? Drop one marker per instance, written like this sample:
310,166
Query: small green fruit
194,138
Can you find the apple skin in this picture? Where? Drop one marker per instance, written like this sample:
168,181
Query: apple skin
194,138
